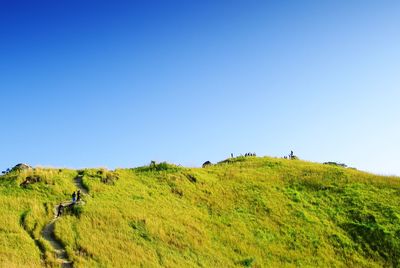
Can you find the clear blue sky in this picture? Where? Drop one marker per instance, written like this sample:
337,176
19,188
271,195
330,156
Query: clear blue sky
121,83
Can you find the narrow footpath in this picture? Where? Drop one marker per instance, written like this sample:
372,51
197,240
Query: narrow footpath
48,230
79,184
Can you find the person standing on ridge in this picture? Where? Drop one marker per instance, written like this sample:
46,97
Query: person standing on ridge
74,197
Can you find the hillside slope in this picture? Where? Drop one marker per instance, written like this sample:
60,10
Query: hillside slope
247,211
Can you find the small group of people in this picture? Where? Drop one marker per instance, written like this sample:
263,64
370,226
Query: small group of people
291,156
76,197
246,155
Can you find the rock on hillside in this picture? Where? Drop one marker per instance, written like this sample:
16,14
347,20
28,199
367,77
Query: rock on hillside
20,167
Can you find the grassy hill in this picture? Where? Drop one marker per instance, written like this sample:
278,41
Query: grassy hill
244,212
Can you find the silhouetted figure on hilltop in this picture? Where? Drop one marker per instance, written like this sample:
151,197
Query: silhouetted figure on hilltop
74,197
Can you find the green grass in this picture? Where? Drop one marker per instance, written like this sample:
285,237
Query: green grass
244,212
25,211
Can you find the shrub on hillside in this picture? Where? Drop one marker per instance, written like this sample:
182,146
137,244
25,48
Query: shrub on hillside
177,191
76,210
154,166
109,177
30,180
246,262
140,229
206,164
335,164
191,178
73,209
105,176
366,231
27,177
233,160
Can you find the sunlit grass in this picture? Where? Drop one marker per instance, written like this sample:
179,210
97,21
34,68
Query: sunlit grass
249,211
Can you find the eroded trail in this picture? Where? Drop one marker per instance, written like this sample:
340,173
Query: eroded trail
48,230
79,184
48,234
62,256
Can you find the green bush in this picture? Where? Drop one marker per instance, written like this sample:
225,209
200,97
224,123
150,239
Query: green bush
157,167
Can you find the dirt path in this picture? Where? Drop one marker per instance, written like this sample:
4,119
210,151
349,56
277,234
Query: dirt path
48,230
62,256
78,183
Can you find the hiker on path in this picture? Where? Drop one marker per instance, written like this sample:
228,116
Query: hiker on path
59,210
78,196
74,197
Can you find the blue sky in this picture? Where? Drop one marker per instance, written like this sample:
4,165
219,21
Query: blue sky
121,83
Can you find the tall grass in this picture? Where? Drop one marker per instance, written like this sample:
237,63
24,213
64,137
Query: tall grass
245,212
25,211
